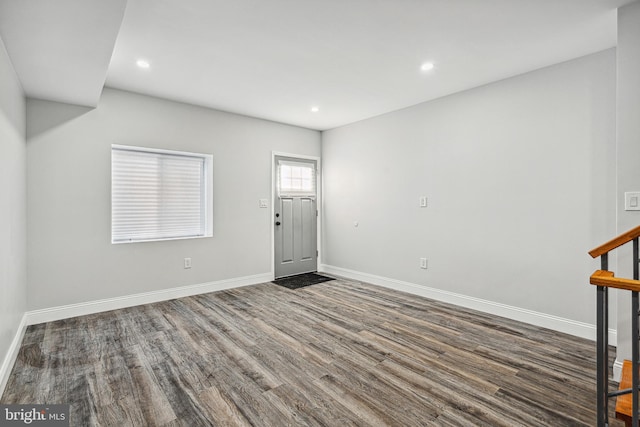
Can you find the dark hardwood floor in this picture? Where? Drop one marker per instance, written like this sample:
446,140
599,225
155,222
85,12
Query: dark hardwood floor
339,353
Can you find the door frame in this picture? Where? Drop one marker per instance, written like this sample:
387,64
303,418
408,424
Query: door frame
274,196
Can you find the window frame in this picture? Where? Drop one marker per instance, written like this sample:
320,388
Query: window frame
206,181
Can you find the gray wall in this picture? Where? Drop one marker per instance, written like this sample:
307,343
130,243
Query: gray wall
70,255
520,178
628,157
13,233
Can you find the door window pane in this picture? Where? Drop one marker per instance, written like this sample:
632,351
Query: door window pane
296,179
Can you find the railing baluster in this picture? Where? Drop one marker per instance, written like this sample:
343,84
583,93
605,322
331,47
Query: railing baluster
635,336
602,362
634,358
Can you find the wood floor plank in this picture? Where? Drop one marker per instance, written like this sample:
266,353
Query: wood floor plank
320,406
339,353
221,409
248,397
367,415
147,393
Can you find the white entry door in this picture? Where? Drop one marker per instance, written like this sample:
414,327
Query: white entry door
295,214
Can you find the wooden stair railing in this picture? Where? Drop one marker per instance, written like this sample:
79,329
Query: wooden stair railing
606,278
616,242
603,280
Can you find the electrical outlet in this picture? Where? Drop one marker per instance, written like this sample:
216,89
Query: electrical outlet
423,201
423,263
187,263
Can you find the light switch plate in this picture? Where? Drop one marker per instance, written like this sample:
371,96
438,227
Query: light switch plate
264,203
632,201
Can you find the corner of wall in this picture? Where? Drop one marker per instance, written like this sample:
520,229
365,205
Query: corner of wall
13,269
12,354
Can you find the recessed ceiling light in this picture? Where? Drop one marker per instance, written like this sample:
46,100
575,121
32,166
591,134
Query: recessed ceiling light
315,109
427,66
142,63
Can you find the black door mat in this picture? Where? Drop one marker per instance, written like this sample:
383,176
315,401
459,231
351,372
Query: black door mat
301,280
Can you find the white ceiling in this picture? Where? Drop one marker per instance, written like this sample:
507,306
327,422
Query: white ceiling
275,59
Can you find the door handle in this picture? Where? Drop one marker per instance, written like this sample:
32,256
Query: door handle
277,222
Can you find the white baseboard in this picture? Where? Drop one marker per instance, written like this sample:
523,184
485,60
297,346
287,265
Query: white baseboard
91,307
12,354
560,324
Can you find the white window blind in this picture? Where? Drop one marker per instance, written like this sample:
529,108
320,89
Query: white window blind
159,194
296,179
